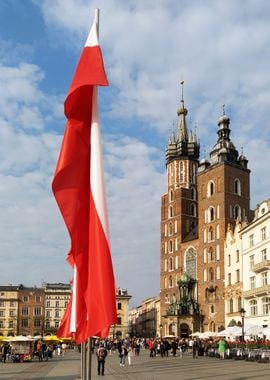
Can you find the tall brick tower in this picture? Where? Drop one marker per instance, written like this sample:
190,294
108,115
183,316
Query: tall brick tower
179,221
202,200
223,196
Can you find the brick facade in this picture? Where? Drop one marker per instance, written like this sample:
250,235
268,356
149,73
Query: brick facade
202,199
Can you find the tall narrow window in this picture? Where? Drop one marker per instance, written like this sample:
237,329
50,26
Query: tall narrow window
237,212
251,261
231,305
266,305
264,254
170,263
211,214
211,234
181,172
263,233
237,187
170,195
251,240
237,275
210,189
264,279
253,307
211,274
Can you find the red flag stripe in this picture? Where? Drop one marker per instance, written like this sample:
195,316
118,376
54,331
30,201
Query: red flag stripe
78,187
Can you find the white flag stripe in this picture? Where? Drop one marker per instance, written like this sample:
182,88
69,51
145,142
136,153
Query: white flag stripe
96,169
92,39
74,303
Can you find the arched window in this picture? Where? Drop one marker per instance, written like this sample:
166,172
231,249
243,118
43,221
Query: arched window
170,195
211,274
211,214
170,228
210,189
193,193
237,212
171,263
239,303
231,305
170,282
170,246
211,256
165,230
170,211
211,234
218,273
181,172
193,209
237,186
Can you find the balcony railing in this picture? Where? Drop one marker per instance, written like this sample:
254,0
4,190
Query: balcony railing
257,291
263,265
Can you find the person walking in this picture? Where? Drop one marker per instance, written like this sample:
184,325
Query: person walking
221,348
174,347
101,356
123,355
195,349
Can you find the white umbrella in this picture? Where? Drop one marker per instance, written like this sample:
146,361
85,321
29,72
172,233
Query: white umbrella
266,331
231,331
253,330
208,334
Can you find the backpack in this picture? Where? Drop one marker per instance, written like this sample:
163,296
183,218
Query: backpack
101,354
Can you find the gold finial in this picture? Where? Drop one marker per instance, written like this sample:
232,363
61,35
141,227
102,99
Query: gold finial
182,90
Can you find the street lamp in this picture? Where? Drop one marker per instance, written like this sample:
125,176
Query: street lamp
160,329
242,313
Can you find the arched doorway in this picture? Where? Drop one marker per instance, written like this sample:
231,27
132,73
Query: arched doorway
184,330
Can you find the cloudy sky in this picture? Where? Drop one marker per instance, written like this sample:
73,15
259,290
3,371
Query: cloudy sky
221,49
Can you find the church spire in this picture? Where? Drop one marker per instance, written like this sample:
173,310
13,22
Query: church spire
182,145
182,112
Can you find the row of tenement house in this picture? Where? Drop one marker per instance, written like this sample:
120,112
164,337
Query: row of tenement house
215,250
214,257
38,310
246,286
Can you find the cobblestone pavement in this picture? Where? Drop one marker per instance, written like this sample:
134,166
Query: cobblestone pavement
142,368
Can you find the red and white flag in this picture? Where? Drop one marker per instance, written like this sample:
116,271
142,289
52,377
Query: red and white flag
78,187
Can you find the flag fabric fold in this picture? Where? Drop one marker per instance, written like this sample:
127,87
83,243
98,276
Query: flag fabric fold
78,186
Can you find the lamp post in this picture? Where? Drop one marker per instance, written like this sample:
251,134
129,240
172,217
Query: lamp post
160,330
242,313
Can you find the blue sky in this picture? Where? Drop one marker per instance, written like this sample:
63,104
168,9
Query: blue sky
222,52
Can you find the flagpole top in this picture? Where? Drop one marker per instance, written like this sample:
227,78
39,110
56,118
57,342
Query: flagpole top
97,12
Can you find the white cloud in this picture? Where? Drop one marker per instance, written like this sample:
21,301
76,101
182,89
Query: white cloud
221,50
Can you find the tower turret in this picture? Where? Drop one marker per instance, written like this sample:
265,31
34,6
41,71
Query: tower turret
184,145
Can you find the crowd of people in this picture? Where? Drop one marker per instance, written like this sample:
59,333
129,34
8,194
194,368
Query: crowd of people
38,349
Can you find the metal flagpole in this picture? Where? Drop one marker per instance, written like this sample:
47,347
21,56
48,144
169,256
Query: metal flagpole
89,359
83,361
88,349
